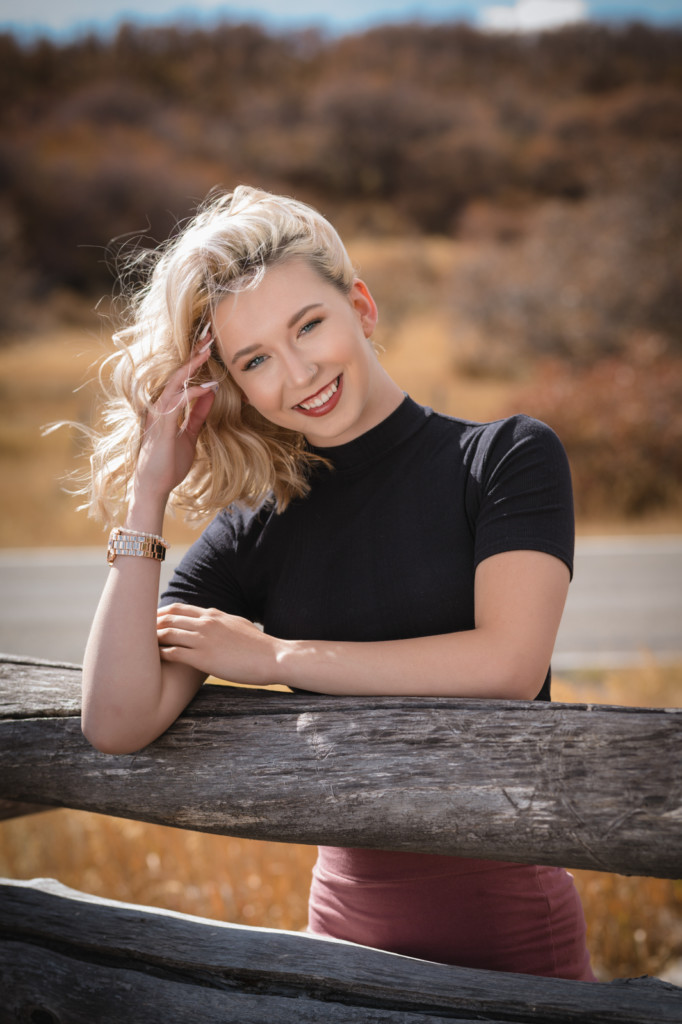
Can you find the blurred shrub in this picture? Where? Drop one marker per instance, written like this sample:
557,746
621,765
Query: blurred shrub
398,129
582,281
79,196
621,423
15,277
366,131
648,114
107,103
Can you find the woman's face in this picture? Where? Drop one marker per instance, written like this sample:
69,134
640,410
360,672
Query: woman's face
298,349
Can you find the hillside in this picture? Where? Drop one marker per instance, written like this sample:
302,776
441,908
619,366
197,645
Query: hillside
515,203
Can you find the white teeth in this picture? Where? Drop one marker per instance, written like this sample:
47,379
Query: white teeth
319,400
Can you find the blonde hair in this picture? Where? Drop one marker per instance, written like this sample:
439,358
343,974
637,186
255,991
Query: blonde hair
240,456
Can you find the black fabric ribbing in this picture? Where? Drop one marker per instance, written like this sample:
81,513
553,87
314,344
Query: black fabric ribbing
387,542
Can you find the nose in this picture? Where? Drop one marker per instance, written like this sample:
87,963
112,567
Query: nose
300,369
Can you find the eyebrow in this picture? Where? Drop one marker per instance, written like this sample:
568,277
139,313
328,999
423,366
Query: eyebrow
290,323
302,312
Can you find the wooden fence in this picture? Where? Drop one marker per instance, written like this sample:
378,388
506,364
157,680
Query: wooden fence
578,785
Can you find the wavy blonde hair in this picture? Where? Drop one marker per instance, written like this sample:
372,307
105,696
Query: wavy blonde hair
241,457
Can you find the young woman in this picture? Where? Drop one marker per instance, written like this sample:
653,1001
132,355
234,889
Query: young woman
385,549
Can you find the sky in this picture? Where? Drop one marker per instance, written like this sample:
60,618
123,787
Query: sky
67,18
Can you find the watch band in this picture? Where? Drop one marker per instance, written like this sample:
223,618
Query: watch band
131,542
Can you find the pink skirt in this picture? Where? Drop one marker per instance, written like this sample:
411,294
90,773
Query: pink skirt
490,915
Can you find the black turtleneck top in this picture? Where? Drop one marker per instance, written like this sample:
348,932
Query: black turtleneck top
386,543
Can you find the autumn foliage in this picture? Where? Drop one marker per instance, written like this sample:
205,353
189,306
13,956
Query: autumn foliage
401,128
621,422
552,163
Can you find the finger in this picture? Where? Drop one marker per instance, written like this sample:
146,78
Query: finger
197,401
199,410
177,608
178,382
174,654
169,407
179,387
202,347
205,338
183,373
171,636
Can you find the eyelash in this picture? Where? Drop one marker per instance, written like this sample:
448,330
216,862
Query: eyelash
258,360
311,323
253,363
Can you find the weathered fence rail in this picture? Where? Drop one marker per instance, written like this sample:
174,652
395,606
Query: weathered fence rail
87,961
578,785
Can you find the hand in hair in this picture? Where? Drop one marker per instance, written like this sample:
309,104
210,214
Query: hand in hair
172,428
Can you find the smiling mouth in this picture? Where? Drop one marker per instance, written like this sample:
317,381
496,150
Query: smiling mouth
323,400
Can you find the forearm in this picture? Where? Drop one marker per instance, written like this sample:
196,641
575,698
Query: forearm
474,663
519,599
123,705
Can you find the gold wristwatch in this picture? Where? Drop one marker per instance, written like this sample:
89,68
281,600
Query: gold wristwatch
131,542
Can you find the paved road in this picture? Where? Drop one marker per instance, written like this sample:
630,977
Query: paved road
625,600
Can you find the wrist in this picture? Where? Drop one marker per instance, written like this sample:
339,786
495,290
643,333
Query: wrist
146,514
284,662
301,663
135,543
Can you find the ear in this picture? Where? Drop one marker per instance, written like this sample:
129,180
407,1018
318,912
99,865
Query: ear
364,305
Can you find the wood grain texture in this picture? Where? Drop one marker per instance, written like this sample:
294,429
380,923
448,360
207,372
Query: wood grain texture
80,959
575,785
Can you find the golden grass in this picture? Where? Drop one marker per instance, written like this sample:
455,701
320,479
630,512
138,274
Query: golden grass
229,879
43,379
634,924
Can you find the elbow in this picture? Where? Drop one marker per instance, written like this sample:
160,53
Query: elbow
525,687
106,738
519,677
105,743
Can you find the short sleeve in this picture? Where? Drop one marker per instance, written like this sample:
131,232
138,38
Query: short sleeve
521,498
206,575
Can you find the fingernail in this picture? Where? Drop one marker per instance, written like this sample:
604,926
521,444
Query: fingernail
210,384
201,337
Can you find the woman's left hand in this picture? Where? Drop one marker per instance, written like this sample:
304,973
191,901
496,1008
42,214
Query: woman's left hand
226,646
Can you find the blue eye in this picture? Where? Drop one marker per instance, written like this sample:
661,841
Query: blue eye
308,327
252,363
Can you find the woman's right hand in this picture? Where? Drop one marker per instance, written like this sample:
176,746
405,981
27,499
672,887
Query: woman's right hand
172,428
